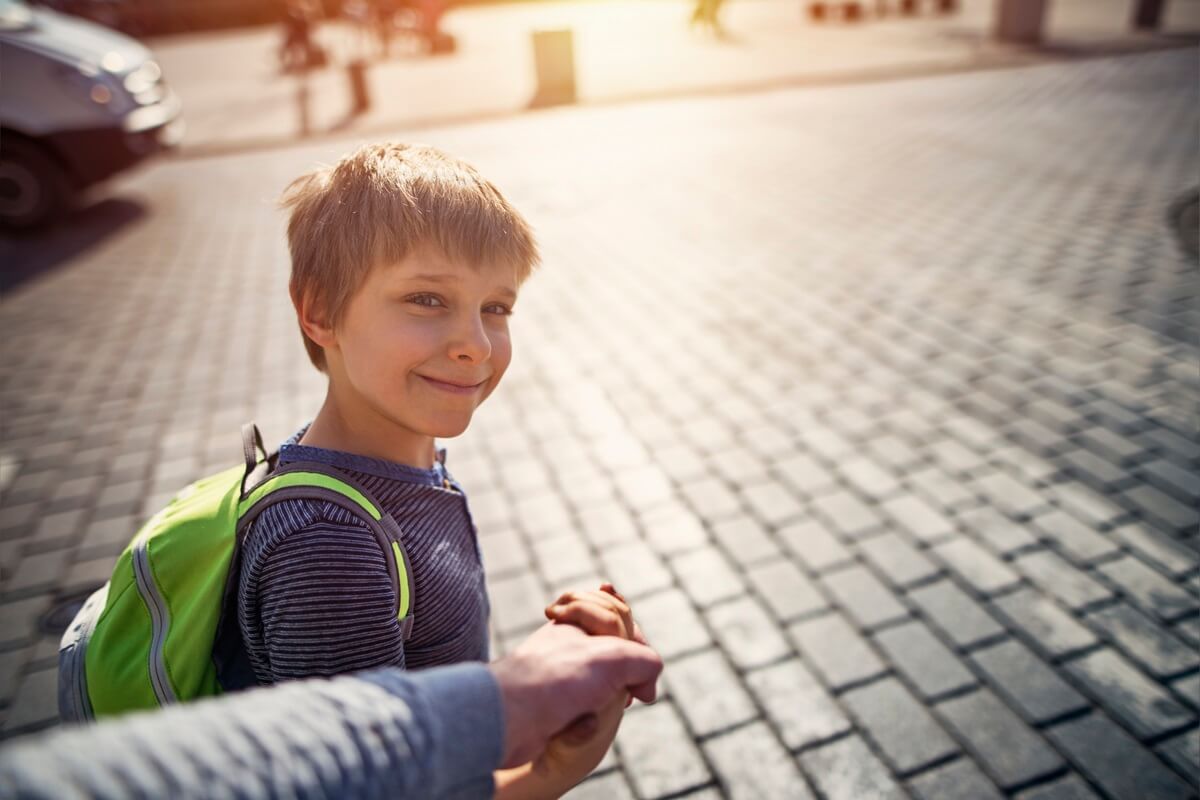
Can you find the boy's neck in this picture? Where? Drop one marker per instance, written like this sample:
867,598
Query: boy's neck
376,438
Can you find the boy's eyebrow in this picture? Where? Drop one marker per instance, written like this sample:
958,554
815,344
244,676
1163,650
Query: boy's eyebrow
503,291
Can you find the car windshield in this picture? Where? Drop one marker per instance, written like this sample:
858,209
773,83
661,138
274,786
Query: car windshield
15,16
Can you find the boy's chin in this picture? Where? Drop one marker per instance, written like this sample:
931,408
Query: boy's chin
448,428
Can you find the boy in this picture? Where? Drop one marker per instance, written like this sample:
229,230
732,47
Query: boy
406,265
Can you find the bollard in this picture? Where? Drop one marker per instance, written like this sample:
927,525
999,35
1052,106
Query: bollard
360,97
554,60
1020,21
1147,14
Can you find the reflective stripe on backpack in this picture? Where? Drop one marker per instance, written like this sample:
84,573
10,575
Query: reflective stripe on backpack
146,638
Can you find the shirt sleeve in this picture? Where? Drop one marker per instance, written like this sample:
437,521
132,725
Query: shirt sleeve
325,601
436,734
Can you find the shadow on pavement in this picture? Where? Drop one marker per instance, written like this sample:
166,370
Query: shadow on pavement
27,255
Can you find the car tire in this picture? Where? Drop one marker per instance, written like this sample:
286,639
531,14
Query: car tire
33,187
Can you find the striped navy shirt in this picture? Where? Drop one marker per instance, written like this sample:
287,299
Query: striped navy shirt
315,597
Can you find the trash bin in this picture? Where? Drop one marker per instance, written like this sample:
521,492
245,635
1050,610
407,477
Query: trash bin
1020,21
554,61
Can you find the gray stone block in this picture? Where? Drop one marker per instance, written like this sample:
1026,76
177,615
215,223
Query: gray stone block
1071,787
785,590
747,633
1009,495
978,567
1030,686
956,780
923,660
1158,549
1097,471
1144,641
1183,753
635,569
746,540
898,561
707,576
959,617
1007,749
1162,509
1149,588
799,707
657,752
813,544
847,770
708,693
1115,760
899,724
1058,577
1003,534
671,622
836,651
925,522
1128,694
848,515
1081,543
864,597
752,764
1043,624
772,503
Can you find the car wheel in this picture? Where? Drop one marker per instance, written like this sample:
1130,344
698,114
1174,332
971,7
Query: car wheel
33,187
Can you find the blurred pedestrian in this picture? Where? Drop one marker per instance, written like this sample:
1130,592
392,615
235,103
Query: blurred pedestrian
298,50
706,14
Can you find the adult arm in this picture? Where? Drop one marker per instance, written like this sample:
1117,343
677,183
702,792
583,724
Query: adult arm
431,734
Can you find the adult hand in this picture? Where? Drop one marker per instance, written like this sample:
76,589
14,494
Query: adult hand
559,676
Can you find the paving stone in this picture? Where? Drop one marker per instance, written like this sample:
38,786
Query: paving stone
1157,549
1058,577
1149,588
35,703
635,568
955,457
864,597
562,557
707,576
897,560
1114,760
868,478
814,545
958,779
543,515
923,660
803,473
518,602
1161,509
709,694
919,518
982,721
108,536
773,503
711,498
1183,753
1035,437
959,617
752,764
609,786
1189,689
1051,630
672,529
785,590
746,540
1097,510
37,572
802,711
982,570
1128,694
658,753
1143,640
1082,544
57,531
670,622
847,770
1071,787
1010,496
847,514
12,662
87,575
1119,449
1001,533
503,552
1184,451
900,725
1031,687
837,652
607,524
747,633
1096,471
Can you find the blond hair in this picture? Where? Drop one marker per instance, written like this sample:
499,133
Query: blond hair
379,203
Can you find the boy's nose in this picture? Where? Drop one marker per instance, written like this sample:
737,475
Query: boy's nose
471,344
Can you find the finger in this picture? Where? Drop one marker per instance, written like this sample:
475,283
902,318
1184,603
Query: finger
608,588
638,636
591,618
637,668
599,599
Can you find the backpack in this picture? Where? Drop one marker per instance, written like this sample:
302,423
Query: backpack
163,629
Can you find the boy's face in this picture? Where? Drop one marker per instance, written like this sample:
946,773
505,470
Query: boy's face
422,343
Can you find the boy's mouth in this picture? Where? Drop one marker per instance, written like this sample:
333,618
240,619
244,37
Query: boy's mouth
453,387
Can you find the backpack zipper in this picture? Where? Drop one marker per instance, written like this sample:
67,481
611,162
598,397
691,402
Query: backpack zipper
160,620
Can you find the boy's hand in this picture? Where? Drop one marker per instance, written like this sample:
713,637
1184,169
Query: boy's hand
600,613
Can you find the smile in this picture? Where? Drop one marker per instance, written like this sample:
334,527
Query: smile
453,388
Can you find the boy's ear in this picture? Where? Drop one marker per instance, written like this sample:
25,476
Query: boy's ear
314,321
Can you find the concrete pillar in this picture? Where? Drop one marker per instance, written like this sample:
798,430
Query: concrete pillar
1147,14
554,61
360,94
1020,21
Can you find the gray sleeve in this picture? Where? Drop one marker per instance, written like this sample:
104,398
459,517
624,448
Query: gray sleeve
435,733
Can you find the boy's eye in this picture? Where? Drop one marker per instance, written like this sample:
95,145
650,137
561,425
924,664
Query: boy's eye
498,308
429,300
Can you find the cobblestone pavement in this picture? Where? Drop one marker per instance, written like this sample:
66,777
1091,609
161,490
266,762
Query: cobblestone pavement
878,401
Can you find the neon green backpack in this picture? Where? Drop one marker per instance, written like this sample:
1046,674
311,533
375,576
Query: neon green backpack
159,631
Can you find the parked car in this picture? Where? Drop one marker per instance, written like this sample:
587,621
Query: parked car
78,104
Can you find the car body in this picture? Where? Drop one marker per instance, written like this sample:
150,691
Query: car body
79,104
